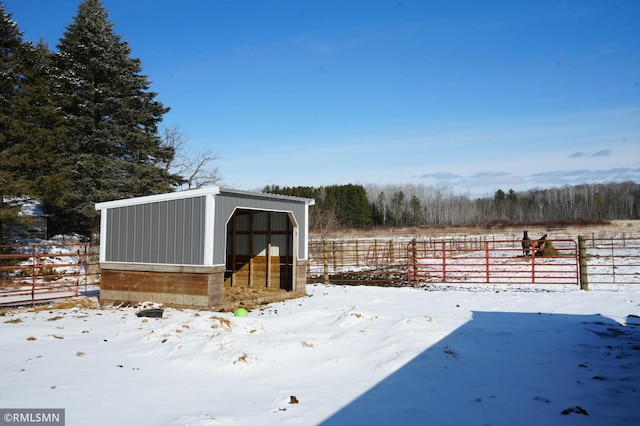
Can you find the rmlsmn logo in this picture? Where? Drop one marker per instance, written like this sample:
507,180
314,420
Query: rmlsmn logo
32,416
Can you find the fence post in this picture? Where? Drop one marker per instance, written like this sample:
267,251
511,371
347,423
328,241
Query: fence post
533,265
78,273
613,262
444,261
414,261
34,275
486,260
334,256
375,253
391,254
582,259
325,261
357,255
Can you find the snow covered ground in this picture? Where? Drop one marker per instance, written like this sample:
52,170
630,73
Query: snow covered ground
341,355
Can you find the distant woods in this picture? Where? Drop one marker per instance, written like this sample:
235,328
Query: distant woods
357,206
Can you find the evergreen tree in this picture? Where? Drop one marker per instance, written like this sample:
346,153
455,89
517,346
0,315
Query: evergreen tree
10,43
39,129
499,196
398,201
113,149
30,124
415,211
351,205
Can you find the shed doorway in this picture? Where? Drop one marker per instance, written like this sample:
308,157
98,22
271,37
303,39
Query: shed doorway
260,250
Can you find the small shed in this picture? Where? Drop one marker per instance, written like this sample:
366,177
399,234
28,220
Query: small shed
185,248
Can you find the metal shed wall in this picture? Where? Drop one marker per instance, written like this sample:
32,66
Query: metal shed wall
228,201
164,232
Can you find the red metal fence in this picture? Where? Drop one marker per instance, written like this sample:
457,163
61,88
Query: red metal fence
495,262
37,273
608,259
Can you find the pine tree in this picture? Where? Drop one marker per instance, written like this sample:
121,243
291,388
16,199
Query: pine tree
10,45
351,204
30,124
39,129
113,149
10,42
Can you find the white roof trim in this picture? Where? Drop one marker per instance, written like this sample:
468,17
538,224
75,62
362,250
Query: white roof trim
209,190
307,201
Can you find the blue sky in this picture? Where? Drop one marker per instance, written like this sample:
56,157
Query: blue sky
471,96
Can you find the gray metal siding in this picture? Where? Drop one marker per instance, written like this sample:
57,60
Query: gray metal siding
165,232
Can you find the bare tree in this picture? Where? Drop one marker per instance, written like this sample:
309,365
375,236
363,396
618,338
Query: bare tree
324,219
197,168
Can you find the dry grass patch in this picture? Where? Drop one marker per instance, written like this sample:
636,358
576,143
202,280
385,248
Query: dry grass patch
550,251
219,322
241,358
249,297
89,302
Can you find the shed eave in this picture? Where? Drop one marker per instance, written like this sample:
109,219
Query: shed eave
307,201
210,190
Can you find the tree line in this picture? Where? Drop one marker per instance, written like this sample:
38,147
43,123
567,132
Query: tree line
80,125
418,205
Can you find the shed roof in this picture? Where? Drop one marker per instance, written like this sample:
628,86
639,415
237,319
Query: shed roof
209,190
235,192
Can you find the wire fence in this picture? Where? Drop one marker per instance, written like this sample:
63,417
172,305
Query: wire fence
613,260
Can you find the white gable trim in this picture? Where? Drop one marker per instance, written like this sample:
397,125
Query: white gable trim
210,190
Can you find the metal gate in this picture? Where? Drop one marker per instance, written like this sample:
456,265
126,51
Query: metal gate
37,273
494,262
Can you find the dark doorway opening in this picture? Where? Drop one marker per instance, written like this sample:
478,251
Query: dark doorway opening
260,250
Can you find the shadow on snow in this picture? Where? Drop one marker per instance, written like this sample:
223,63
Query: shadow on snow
514,368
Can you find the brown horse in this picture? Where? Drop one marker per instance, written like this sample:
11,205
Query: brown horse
539,245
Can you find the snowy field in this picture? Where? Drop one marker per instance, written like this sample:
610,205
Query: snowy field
341,355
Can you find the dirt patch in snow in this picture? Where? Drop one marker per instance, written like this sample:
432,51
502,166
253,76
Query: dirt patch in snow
251,297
